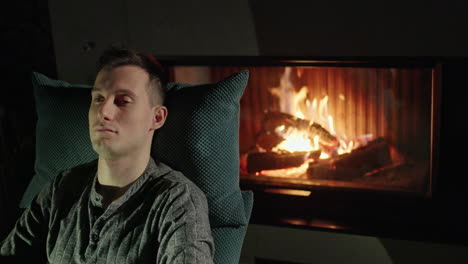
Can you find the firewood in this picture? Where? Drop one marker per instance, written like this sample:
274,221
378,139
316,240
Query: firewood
316,129
266,140
273,120
259,161
374,155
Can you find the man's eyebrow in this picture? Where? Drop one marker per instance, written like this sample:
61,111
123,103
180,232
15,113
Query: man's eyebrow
120,91
126,92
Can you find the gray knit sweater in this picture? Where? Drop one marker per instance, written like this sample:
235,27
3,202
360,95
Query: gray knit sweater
162,218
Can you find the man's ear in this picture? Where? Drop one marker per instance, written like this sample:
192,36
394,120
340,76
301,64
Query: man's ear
159,117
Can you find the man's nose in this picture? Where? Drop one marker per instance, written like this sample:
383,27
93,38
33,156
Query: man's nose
106,112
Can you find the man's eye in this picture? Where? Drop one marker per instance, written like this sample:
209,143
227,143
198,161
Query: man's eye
121,102
98,99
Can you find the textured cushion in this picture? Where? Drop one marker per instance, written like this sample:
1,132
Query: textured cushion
62,139
229,240
200,138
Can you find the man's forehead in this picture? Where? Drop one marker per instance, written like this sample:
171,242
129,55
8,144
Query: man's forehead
127,78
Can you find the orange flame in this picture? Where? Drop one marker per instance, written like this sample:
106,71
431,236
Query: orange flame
299,105
295,140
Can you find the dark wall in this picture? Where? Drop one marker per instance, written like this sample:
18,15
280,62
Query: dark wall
361,27
27,47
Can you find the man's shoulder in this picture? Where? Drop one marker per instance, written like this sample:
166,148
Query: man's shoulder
78,175
175,180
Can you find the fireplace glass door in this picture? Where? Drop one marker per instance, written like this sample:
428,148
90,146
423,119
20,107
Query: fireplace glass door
332,126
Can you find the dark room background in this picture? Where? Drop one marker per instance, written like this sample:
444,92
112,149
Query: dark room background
27,46
62,39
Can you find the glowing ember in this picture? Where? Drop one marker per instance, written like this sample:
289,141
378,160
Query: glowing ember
289,172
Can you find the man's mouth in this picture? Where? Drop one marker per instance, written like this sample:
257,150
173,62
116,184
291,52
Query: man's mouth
105,130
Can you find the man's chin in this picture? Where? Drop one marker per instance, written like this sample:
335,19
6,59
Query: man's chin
105,151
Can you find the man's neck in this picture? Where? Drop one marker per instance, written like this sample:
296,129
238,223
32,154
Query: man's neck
115,175
120,172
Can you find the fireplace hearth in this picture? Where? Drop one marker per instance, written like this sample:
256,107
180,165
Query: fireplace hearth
343,144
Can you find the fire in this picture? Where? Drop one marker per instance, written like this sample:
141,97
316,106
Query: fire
315,111
295,141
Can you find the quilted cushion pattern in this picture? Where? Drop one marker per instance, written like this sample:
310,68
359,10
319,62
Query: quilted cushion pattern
229,240
200,138
62,139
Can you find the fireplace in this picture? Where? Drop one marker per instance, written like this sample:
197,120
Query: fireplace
344,145
366,128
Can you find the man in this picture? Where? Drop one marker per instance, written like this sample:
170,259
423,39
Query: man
123,207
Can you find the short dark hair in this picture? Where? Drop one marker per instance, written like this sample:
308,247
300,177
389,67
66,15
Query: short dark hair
121,56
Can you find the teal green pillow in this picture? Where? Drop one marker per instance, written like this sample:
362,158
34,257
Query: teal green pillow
62,139
229,240
200,138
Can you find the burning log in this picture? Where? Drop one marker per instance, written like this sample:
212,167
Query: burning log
273,120
259,161
374,155
266,140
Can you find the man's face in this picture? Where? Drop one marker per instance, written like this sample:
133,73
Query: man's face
121,119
